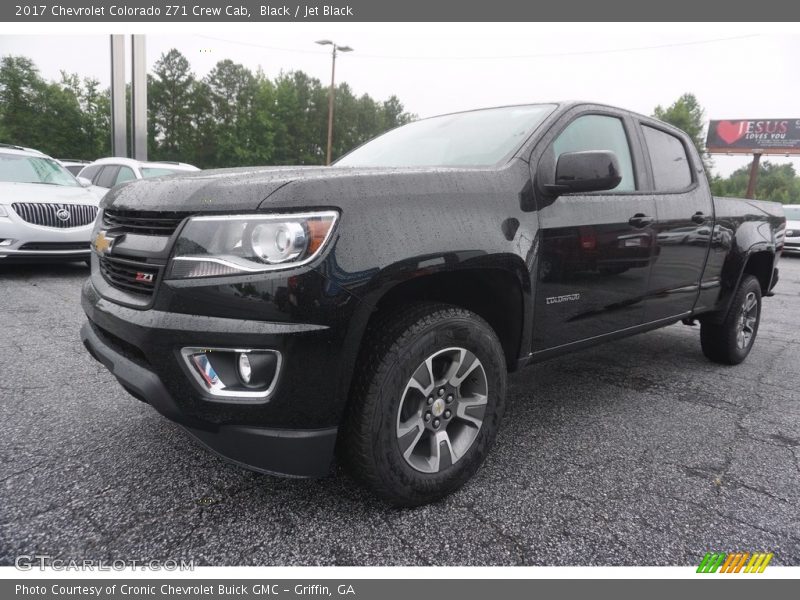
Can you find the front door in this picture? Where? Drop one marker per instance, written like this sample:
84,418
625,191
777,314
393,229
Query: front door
595,249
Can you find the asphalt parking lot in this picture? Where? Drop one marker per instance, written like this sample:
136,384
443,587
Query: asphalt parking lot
639,452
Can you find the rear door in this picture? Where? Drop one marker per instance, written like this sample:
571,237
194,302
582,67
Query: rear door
595,248
685,227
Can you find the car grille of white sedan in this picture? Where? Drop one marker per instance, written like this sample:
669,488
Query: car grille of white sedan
61,216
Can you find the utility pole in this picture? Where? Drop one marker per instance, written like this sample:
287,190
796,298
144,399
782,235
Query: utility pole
138,116
751,182
119,134
331,92
138,98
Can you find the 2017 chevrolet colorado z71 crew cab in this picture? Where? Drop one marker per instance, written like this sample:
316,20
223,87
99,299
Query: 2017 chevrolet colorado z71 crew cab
377,305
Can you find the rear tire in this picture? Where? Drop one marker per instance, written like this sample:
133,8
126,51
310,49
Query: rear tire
427,401
730,341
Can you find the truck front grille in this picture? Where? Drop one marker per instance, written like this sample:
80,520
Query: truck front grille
60,216
129,275
142,222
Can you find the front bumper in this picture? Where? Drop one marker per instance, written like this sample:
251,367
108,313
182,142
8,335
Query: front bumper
791,245
31,242
292,432
295,453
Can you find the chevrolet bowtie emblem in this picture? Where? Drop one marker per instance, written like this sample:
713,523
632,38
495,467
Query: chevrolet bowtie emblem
103,243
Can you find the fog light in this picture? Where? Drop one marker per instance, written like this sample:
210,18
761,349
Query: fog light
245,370
233,374
6,242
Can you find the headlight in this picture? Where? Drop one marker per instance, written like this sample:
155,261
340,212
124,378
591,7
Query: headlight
792,233
234,245
3,212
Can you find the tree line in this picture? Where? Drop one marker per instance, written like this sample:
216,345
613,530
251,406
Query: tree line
236,117
231,117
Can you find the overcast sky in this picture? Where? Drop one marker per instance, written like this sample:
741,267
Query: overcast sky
435,68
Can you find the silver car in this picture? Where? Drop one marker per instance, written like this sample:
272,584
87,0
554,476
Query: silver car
46,214
792,239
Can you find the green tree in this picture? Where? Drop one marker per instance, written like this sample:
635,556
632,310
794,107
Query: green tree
776,182
20,85
687,114
231,117
169,100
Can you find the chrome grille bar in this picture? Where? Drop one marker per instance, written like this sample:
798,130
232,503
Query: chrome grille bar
47,214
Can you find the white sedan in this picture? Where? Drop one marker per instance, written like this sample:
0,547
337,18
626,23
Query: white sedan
46,214
105,173
792,239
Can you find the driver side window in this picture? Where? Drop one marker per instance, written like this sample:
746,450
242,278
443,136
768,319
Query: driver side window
598,132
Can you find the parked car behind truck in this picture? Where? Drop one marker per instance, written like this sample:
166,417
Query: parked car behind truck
792,239
376,306
45,213
105,173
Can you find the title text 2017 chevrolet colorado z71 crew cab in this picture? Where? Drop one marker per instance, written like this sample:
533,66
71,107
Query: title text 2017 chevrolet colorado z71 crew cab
377,305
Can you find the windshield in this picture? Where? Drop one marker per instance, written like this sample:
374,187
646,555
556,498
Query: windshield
148,172
477,138
34,169
792,213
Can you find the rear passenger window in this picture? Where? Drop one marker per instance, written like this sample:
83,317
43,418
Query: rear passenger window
671,171
107,177
125,174
90,172
598,132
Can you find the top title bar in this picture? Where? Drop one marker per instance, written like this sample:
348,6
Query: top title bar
391,10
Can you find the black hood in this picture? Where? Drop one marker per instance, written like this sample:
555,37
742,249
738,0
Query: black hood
246,189
216,190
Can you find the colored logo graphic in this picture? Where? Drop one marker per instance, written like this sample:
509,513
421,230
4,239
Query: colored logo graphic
735,562
730,132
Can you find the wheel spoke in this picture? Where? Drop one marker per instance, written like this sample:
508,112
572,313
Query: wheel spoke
422,379
740,339
466,358
409,434
442,453
472,409
750,302
749,324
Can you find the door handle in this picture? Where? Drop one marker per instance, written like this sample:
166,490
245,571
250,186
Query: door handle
640,220
698,218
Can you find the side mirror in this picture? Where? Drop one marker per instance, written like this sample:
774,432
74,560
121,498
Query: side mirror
590,171
84,182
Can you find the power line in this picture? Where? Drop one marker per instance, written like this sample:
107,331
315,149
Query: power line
495,57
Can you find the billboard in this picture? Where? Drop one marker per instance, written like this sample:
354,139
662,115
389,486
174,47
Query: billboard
749,136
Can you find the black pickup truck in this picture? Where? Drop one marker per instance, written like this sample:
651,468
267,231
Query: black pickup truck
375,307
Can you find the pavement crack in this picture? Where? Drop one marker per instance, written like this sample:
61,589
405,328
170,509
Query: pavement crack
519,548
23,471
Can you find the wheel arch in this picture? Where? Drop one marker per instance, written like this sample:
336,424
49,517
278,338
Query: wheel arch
759,261
498,294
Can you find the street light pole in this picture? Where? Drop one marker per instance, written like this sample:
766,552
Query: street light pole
331,92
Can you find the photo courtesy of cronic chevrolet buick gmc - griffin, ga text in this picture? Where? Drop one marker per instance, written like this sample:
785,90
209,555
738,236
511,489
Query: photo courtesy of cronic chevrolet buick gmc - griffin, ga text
373,309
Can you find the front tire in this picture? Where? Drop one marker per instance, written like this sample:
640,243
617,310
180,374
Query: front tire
730,341
427,402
